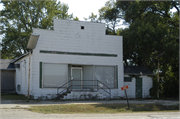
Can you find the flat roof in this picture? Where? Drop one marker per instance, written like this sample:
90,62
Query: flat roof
137,70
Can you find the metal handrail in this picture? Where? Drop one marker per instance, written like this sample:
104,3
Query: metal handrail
103,84
63,90
97,86
62,86
104,88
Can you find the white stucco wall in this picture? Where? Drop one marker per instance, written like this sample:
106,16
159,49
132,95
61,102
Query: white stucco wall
22,75
131,91
146,85
68,36
18,80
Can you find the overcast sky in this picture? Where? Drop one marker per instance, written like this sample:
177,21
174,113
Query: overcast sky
84,8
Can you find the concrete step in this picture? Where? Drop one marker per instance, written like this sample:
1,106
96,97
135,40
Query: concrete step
61,96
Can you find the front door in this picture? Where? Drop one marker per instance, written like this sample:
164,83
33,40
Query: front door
76,77
138,87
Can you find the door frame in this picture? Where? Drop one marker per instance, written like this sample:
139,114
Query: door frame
81,76
141,87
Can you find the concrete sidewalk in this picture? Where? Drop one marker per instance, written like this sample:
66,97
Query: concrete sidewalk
25,104
25,114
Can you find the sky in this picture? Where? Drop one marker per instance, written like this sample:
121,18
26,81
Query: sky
84,8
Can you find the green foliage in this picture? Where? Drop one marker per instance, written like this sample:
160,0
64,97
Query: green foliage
18,19
155,88
171,83
108,14
153,37
76,19
93,17
12,96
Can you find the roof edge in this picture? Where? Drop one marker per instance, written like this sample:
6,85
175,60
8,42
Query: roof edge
13,61
11,69
138,74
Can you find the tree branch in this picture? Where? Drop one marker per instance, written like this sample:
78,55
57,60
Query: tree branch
176,7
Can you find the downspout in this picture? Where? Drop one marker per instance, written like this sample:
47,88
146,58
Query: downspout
29,58
31,45
29,74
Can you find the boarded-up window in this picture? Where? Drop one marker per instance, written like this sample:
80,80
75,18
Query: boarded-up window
106,75
54,75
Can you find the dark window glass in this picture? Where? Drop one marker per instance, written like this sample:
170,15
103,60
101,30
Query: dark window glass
127,79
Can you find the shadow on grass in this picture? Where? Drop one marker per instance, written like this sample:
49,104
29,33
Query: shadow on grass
139,107
12,96
100,108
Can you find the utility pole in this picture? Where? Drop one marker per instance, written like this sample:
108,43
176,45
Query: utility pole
158,80
29,75
160,55
28,95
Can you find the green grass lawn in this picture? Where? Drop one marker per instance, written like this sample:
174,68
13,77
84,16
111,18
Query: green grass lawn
101,108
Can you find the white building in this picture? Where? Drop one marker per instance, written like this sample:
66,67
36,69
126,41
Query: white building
139,81
76,60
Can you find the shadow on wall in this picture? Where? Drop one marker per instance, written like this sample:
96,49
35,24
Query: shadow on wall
7,80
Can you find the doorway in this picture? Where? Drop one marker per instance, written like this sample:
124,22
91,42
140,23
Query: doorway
76,77
138,87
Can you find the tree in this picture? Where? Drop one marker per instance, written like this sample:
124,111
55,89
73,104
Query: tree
76,19
109,14
152,35
151,23
93,17
18,18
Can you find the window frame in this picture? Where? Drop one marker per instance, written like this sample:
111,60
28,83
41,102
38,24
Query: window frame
127,78
41,74
115,74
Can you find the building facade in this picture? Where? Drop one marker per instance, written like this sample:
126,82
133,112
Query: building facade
77,58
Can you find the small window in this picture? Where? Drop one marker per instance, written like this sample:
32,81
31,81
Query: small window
17,65
82,27
127,79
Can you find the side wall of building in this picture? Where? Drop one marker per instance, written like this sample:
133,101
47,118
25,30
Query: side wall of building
131,91
21,83
146,85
